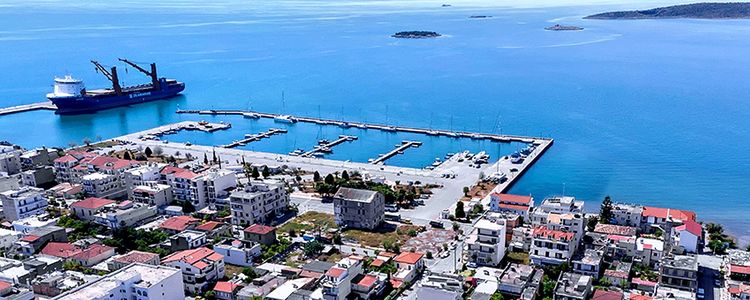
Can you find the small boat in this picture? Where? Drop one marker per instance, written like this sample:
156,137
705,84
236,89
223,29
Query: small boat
389,128
284,119
475,136
325,150
317,154
250,115
345,124
323,142
202,123
188,144
360,126
432,132
451,134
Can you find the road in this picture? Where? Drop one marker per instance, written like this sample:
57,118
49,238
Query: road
709,268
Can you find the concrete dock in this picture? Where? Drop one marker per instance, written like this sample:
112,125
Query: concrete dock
154,133
27,107
326,147
255,137
383,127
399,150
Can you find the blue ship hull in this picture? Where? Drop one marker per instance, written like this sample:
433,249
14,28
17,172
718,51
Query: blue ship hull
92,102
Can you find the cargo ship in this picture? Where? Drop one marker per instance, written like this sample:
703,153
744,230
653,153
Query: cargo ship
71,97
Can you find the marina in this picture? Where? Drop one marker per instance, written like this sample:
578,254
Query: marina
325,146
399,150
255,137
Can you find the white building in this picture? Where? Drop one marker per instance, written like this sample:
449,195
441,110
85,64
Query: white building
136,281
200,189
236,252
551,247
557,205
687,236
199,267
515,204
23,202
10,160
103,185
258,202
649,251
88,208
141,175
337,281
487,242
152,194
125,214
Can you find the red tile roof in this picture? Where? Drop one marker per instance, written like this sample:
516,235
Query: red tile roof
66,159
259,229
541,231
5,285
93,251
193,256
738,269
691,226
639,281
607,295
377,262
663,213
92,203
616,274
335,272
111,163
409,257
396,283
179,223
179,172
367,281
513,207
208,226
634,296
136,257
615,229
226,287
517,199
62,250
30,238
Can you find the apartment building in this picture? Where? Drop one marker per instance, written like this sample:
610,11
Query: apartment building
89,208
125,214
136,281
680,272
337,281
552,247
361,209
572,286
152,194
23,203
258,202
10,160
199,268
201,189
486,243
515,204
238,253
103,185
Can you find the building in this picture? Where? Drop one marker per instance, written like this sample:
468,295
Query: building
552,247
664,218
199,267
188,239
142,175
573,286
612,229
133,257
37,157
688,236
627,214
486,243
93,254
649,251
680,272
236,252
65,191
23,203
258,202
136,281
369,286
261,234
10,160
522,239
515,204
57,282
152,194
29,224
36,239
227,290
618,273
125,214
588,263
355,208
178,224
103,185
409,265
38,177
88,208
556,205
516,279
337,281
199,189
289,287
607,295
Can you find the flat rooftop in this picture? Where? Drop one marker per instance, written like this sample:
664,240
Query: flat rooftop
101,288
355,195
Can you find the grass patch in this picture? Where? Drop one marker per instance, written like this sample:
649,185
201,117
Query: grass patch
378,237
518,257
231,270
308,221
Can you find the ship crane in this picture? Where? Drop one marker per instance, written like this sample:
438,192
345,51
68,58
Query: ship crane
111,75
152,73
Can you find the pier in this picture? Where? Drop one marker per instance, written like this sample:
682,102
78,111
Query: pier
255,137
399,150
326,147
155,133
383,127
27,107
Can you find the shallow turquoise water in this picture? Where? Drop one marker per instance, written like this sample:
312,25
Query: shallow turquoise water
649,111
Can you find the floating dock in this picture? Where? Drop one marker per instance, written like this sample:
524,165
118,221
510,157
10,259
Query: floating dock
27,107
326,147
383,127
399,150
255,137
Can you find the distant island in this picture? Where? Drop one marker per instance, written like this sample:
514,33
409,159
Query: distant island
694,11
415,34
558,27
479,17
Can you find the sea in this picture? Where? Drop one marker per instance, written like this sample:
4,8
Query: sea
647,111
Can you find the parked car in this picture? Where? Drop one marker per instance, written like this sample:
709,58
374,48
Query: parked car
437,224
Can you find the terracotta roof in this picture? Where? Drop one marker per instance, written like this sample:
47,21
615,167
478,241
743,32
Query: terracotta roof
335,272
395,283
111,163
259,229
741,289
93,251
5,285
367,281
66,159
615,229
226,287
92,203
639,281
739,269
310,274
136,257
179,172
179,223
517,199
409,257
215,257
616,274
377,262
554,234
30,238
659,212
634,296
208,226
692,227
513,206
387,254
607,295
192,256
62,250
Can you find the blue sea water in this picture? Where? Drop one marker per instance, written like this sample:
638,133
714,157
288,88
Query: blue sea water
647,111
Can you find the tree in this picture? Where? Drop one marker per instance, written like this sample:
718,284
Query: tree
330,179
266,172
148,152
496,296
87,141
214,159
205,159
312,248
466,191
591,223
126,155
316,176
345,175
158,151
337,239
605,213
718,247
456,227
187,207
250,273
429,254
255,173
460,213
713,228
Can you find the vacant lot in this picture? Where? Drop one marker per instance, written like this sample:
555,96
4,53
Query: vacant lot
308,221
376,238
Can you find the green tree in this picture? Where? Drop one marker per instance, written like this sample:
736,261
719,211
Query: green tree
316,176
591,223
466,191
214,159
312,248
148,152
255,174
605,213
429,254
330,180
496,296
345,175
205,159
266,172
460,213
